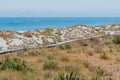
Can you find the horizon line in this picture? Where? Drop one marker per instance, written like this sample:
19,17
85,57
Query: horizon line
58,17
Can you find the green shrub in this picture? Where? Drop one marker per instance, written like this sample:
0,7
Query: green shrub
116,39
50,65
14,64
73,75
49,31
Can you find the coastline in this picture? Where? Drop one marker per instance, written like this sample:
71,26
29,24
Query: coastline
18,40
33,23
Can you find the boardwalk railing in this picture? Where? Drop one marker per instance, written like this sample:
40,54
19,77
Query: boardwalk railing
50,45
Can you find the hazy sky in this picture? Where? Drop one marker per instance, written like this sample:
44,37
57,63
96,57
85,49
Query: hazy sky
60,8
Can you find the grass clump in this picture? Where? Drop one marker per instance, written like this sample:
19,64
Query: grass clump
100,74
104,56
108,41
86,63
50,65
100,71
73,75
90,53
14,64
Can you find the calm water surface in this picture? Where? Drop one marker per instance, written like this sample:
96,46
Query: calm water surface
20,24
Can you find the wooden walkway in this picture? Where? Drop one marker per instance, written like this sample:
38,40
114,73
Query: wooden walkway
50,45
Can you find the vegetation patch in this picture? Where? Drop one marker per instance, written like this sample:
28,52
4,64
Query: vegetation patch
14,64
64,59
35,53
73,75
28,34
104,56
86,63
116,39
47,31
7,34
108,41
65,47
50,65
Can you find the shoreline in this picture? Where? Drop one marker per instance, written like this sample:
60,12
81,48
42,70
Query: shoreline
61,27
25,24
18,40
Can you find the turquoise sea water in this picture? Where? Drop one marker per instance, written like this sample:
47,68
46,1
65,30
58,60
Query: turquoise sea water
20,24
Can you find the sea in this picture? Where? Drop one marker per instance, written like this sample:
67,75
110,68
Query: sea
33,23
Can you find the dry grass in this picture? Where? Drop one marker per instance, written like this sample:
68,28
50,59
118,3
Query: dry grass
28,34
83,56
36,33
47,31
7,34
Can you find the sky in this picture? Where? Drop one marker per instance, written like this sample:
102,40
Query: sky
59,8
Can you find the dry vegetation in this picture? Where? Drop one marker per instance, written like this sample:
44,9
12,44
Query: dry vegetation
94,59
47,31
28,34
7,34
